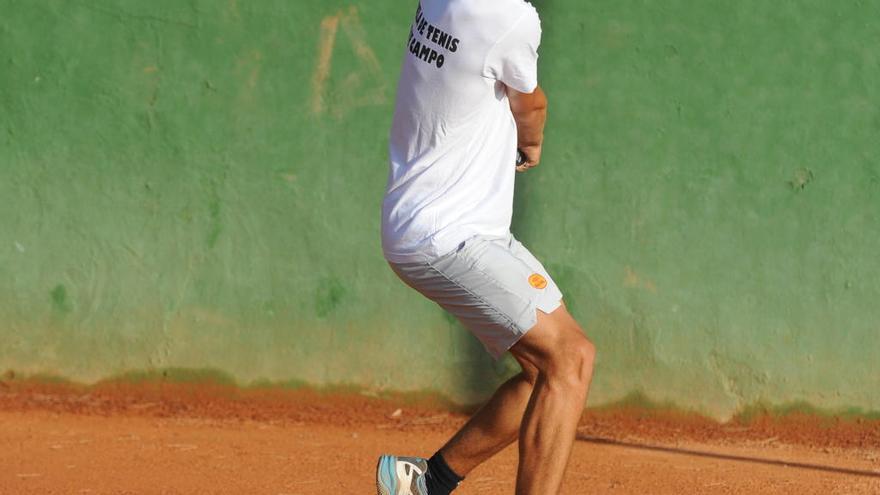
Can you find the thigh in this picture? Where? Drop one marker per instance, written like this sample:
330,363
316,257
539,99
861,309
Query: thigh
492,291
488,309
510,265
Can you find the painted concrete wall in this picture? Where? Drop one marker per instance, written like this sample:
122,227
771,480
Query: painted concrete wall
196,184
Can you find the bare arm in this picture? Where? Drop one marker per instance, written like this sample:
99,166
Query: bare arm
530,113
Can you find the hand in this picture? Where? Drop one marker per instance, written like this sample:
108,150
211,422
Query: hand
532,155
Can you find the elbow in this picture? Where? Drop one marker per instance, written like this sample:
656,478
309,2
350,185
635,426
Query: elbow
539,102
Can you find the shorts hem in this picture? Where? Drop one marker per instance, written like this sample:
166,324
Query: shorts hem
544,308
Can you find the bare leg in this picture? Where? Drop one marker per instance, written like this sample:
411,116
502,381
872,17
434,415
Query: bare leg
541,407
495,426
557,347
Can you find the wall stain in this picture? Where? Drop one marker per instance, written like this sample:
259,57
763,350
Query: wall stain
59,299
802,177
633,280
329,295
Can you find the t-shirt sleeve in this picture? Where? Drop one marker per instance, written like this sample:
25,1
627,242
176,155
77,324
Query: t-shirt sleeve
513,60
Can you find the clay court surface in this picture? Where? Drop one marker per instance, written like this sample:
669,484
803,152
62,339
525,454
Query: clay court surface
172,439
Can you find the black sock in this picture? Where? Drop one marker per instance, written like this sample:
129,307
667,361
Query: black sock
441,479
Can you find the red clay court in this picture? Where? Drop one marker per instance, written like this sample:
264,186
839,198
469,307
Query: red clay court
179,439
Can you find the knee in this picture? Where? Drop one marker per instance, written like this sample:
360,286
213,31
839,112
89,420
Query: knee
585,356
573,364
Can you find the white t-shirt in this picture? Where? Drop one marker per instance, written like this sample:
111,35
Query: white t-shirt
453,141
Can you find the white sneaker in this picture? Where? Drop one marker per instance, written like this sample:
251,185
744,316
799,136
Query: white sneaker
401,475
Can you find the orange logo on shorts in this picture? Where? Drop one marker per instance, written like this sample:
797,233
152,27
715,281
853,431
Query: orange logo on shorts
537,281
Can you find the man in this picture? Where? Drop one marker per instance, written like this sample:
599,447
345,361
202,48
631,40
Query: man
467,99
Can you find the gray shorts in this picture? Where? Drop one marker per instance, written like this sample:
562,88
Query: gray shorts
492,284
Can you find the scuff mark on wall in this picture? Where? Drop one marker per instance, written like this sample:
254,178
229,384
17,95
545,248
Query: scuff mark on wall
357,88
633,280
740,380
329,26
802,177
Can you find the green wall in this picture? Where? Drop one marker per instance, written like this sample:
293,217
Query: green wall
196,184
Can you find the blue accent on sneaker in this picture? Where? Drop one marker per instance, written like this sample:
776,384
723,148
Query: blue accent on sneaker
387,475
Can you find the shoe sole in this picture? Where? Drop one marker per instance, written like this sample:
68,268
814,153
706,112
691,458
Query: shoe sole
386,475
